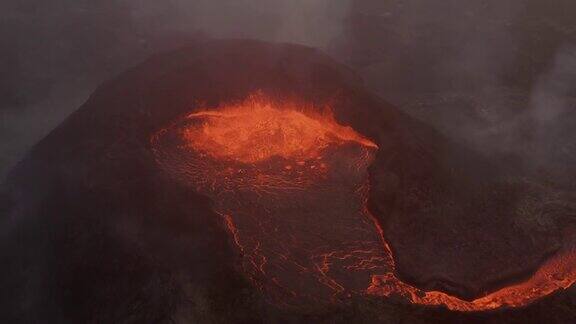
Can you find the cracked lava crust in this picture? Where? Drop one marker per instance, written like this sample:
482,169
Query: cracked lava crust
291,185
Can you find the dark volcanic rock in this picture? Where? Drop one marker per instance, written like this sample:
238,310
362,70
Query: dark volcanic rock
94,230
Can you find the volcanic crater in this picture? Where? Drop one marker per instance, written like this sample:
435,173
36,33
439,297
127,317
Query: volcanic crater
274,163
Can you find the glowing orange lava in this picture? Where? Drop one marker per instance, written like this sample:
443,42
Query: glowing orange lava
258,128
292,186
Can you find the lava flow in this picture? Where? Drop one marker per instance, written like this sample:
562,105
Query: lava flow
291,184
255,131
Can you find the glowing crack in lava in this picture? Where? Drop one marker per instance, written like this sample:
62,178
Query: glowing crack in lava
291,184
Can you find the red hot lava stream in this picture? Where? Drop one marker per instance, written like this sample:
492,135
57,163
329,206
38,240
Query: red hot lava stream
292,186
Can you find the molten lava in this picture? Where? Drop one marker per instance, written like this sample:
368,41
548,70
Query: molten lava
292,185
258,129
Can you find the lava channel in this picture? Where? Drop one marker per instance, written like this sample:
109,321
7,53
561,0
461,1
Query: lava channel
291,185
